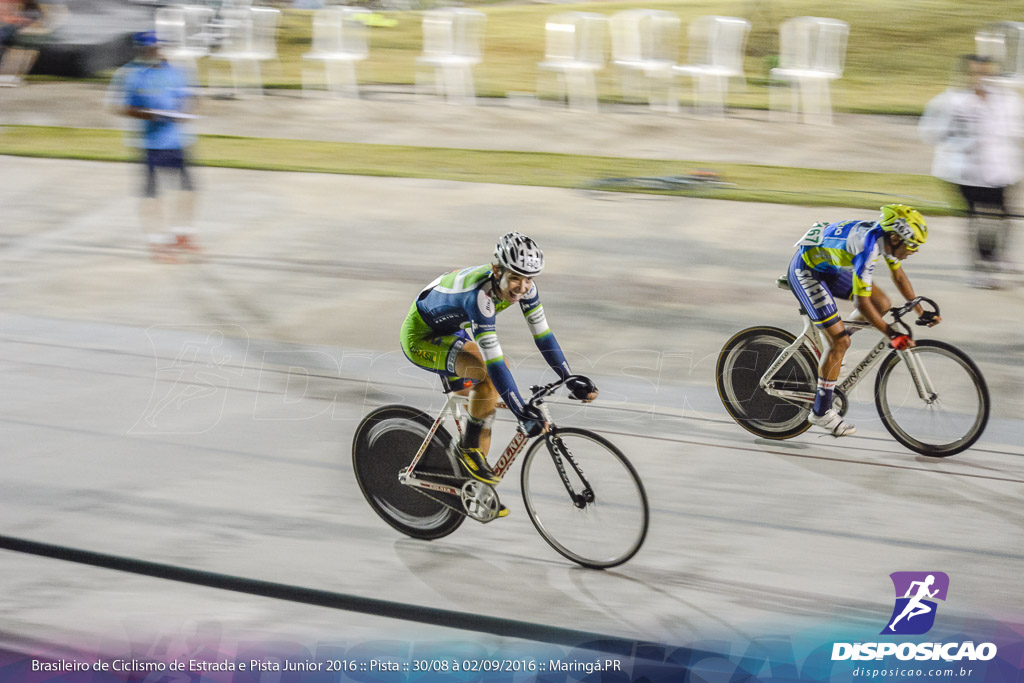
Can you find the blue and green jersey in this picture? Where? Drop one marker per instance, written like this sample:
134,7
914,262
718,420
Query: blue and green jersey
464,300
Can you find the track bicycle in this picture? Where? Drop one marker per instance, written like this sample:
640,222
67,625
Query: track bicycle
932,398
581,493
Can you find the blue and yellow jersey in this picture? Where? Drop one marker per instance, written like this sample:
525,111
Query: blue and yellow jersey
463,299
847,245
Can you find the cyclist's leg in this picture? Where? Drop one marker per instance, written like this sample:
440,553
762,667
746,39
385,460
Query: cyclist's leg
811,289
840,286
455,358
483,397
435,353
814,291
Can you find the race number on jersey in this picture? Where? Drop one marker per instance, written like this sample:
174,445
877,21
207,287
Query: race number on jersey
813,237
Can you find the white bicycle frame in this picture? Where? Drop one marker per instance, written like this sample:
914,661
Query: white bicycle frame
454,407
816,342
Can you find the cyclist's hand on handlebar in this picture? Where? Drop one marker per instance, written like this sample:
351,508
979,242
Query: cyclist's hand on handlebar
898,340
533,423
902,341
534,428
581,388
929,319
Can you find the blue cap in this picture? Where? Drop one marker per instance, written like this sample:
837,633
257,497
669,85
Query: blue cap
144,38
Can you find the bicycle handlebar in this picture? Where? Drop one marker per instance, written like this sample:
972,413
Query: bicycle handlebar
542,392
924,319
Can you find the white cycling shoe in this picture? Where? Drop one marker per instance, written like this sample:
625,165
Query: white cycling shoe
833,423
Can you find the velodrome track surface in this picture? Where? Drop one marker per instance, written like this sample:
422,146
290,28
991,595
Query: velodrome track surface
201,416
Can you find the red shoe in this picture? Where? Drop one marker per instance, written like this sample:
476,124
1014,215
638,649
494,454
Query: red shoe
187,242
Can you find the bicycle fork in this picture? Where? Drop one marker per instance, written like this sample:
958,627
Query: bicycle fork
558,451
922,381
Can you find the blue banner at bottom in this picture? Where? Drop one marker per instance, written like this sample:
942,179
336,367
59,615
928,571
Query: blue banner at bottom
993,656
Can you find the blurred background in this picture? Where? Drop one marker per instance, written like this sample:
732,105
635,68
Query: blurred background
185,364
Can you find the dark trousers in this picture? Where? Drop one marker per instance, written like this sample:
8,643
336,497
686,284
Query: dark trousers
988,224
172,159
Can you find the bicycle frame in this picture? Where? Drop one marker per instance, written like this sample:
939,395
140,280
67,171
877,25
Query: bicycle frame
453,407
815,340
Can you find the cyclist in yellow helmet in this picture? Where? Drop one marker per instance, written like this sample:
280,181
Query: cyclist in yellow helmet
837,261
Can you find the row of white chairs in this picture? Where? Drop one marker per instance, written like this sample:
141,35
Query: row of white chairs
644,45
644,50
240,38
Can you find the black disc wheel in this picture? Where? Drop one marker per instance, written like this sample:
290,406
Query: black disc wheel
385,443
741,364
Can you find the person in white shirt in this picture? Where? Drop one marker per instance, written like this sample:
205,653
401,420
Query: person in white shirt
977,131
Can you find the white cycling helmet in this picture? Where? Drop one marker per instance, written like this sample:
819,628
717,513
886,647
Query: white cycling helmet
520,254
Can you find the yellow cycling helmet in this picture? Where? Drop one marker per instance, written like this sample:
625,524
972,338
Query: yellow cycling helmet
906,222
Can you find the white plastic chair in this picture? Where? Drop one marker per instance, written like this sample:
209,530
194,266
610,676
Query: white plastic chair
1003,42
451,48
716,51
812,54
182,34
575,52
645,44
250,39
339,41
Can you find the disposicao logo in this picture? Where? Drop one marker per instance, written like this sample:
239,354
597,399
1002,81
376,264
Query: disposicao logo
916,592
914,614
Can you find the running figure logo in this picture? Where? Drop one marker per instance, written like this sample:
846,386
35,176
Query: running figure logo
914,612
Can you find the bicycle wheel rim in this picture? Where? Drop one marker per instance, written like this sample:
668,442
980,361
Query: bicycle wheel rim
390,444
950,424
606,532
744,366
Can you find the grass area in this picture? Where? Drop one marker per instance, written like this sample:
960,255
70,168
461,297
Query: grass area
900,54
748,182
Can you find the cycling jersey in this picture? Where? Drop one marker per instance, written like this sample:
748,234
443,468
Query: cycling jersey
851,245
463,303
836,260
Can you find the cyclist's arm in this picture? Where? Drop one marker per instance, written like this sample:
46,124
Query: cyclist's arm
863,273
870,313
543,337
902,282
481,316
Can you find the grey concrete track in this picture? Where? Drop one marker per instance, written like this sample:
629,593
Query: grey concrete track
201,414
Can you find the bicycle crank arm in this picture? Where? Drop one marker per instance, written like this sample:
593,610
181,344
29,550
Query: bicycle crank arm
417,482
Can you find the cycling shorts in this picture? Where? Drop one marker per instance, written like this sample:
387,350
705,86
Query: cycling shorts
433,352
817,291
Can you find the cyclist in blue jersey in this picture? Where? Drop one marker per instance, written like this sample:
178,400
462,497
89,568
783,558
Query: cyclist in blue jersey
450,330
837,261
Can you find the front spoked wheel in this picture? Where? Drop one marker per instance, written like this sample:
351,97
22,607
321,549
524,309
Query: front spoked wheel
385,443
948,421
585,498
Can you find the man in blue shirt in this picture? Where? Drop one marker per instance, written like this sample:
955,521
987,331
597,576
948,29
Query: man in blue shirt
157,94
